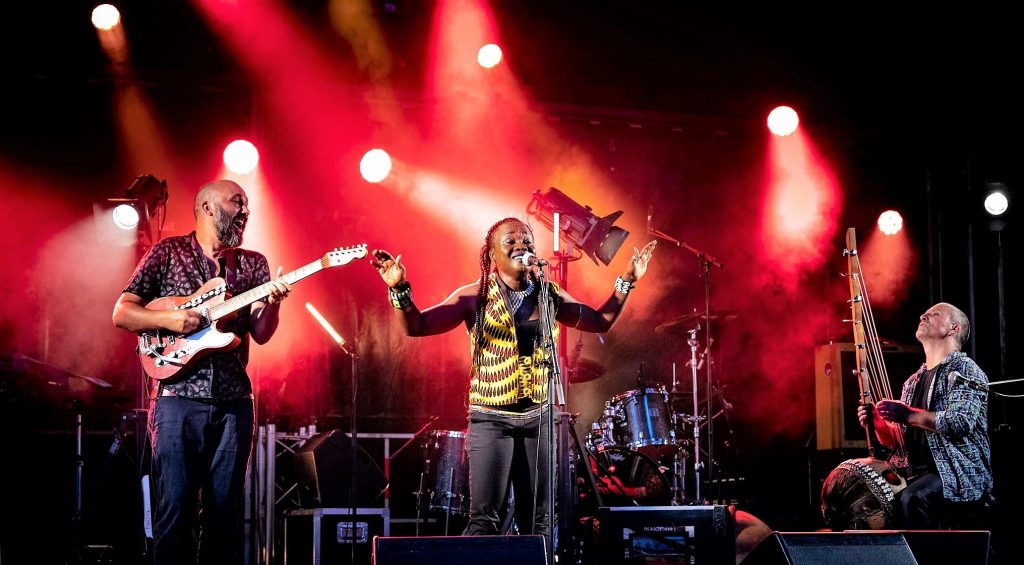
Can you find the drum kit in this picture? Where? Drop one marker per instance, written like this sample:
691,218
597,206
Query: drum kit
640,449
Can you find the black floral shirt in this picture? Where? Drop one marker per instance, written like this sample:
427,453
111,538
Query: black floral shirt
176,266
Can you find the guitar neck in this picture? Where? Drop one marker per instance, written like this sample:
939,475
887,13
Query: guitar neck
260,292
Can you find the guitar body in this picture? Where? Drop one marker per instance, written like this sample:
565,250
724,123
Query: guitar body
164,354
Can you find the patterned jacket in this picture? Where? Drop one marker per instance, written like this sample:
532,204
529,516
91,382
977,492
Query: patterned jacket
960,446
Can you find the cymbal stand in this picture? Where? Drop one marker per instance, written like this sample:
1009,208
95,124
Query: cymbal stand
706,261
697,465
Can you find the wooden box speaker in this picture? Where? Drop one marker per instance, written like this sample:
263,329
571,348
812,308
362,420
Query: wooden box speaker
837,390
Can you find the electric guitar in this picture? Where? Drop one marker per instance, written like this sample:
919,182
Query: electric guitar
163,354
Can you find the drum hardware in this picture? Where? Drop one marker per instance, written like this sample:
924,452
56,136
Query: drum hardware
624,477
446,471
682,324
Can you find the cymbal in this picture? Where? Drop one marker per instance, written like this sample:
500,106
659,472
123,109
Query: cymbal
586,370
686,322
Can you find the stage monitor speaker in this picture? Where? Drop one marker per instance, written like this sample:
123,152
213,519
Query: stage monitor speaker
697,535
837,390
460,550
942,547
324,473
832,548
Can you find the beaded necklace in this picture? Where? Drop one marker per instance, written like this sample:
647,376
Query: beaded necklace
516,297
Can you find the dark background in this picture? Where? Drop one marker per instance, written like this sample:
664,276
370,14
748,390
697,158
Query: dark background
912,109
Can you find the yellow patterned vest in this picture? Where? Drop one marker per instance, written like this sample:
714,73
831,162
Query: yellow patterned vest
499,376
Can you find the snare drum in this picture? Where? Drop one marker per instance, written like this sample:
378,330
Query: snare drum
643,421
447,472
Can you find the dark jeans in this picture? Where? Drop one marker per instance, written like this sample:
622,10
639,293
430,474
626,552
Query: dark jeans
503,451
920,503
199,447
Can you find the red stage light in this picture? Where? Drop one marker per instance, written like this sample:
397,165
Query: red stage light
783,121
375,166
105,17
489,56
890,222
241,157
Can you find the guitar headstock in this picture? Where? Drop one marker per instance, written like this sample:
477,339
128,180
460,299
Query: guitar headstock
343,255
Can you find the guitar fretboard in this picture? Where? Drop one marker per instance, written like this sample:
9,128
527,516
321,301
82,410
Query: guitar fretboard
236,303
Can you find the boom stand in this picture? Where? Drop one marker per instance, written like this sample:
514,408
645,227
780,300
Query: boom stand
555,395
706,261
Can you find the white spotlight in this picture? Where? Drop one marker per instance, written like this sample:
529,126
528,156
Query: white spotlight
241,157
489,56
996,203
125,216
783,121
105,17
890,222
375,166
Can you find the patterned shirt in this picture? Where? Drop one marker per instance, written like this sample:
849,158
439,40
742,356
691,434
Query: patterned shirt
960,446
176,266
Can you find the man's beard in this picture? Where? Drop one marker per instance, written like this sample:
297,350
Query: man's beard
228,234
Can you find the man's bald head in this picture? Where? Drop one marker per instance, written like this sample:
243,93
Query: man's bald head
211,190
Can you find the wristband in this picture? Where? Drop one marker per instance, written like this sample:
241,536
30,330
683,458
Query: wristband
623,286
400,296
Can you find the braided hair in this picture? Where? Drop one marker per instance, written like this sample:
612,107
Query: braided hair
485,271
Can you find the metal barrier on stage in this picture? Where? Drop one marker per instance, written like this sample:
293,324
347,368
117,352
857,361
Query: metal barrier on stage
268,495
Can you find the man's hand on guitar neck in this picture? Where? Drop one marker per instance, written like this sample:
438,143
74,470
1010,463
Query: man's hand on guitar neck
264,315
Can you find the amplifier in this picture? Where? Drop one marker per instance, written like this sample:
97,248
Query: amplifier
326,535
696,535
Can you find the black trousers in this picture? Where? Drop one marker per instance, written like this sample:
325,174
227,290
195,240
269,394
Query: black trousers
920,503
503,452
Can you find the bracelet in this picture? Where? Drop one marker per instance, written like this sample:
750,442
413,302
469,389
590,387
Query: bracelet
624,286
400,296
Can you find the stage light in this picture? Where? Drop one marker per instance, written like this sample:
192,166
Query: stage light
241,157
135,211
996,201
577,224
489,56
890,222
375,166
125,216
105,17
783,121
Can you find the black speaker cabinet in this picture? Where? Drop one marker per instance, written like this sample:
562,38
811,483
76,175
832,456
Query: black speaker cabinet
837,390
460,550
324,470
942,547
697,535
832,548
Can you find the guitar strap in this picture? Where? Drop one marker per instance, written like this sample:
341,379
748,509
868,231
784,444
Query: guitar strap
231,268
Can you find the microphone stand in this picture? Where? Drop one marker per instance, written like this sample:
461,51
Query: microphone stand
349,350
706,261
547,325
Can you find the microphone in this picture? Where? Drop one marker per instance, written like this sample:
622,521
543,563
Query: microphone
650,215
531,260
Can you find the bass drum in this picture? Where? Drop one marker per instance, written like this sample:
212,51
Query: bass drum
860,494
624,478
